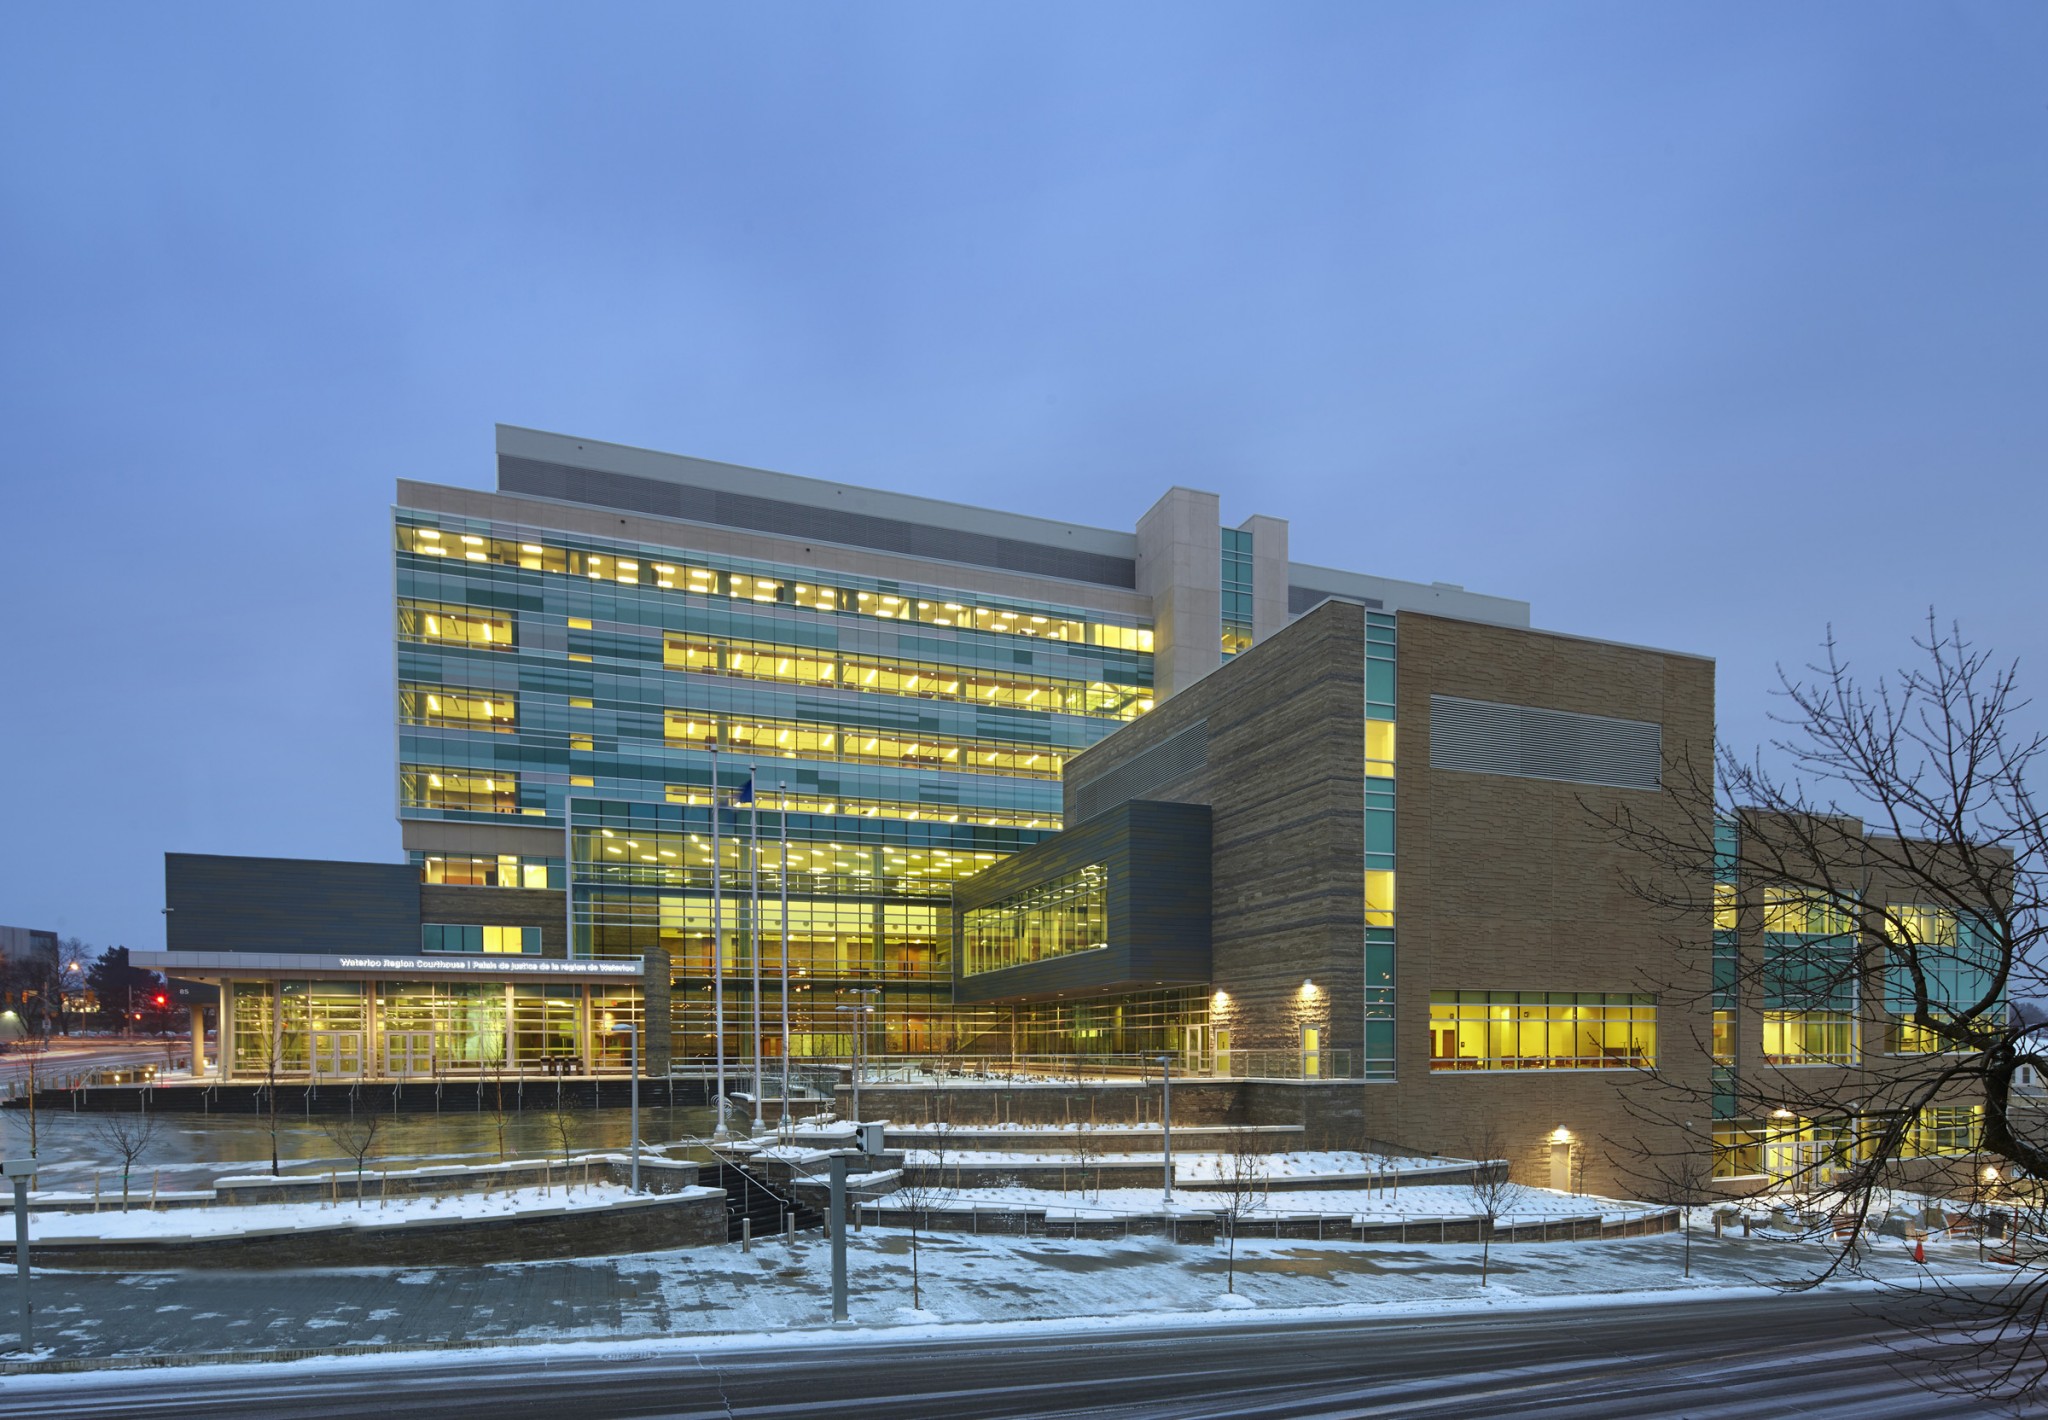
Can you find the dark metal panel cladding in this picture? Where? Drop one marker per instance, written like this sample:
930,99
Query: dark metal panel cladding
1527,742
221,904
662,499
1158,857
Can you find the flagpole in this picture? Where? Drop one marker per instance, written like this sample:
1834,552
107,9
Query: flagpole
754,921
717,950
782,803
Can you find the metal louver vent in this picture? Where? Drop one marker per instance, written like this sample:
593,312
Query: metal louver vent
1481,737
1180,753
633,494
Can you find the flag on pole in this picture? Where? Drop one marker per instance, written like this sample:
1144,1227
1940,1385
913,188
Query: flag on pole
746,793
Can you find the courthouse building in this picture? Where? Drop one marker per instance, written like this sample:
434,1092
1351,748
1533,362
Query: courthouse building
679,741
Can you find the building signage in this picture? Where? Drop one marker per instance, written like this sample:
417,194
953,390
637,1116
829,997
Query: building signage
492,965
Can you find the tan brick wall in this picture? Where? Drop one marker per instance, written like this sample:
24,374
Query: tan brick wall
1508,884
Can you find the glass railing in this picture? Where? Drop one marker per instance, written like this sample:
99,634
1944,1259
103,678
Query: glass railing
1052,1069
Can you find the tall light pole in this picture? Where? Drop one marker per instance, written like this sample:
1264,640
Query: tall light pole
633,1031
754,921
782,803
717,948
860,1013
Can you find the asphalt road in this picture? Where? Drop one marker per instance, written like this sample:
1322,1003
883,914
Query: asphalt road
1825,1355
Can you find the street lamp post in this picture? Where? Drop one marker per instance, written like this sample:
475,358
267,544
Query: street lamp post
860,1014
718,1130
782,804
632,1031
1166,1120
21,1173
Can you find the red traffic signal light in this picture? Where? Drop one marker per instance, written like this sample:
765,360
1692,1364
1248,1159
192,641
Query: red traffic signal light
162,1000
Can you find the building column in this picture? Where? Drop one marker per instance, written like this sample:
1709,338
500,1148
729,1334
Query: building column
1180,568
198,1040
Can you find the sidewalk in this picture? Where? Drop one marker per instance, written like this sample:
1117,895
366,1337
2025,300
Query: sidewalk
776,1288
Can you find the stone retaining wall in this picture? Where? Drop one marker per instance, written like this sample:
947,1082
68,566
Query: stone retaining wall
1204,1227
646,1224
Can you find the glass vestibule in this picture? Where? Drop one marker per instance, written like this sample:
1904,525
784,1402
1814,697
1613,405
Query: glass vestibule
410,1029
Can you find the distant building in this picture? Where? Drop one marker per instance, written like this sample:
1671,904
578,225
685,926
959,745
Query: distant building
28,979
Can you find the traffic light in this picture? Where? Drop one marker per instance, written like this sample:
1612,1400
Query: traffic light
162,1000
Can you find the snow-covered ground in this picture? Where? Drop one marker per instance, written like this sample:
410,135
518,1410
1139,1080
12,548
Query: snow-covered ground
1358,1205
111,1223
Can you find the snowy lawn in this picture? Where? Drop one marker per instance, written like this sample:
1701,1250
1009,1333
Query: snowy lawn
111,1223
1356,1204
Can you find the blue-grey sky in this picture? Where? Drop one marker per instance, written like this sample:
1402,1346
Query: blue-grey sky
1701,326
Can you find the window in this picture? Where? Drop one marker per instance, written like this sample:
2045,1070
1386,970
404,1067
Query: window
1541,1030
1379,749
1809,1038
1944,1129
903,603
1237,591
465,626
505,870
923,680
1724,1037
494,941
1802,912
456,708
1379,898
1957,957
470,791
1725,914
1059,918
797,739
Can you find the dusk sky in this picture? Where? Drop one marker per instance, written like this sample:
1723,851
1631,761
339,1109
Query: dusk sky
1699,326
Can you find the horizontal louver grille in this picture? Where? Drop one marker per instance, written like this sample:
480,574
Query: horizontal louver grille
663,499
1481,737
1179,754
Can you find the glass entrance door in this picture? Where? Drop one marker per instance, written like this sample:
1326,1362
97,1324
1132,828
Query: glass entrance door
336,1054
408,1052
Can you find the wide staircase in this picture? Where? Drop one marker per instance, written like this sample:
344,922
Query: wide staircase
750,1201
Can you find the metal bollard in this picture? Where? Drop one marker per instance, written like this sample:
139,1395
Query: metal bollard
746,1235
789,1229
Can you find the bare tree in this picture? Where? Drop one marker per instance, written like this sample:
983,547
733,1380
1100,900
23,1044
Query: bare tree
491,1094
1865,892
128,1135
356,1136
564,1124
923,1187
1242,1175
1683,1178
1490,1188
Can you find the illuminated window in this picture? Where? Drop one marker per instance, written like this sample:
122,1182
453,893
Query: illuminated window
1798,911
1379,748
464,626
1541,1030
795,739
1945,1130
457,708
1809,1037
472,791
1059,918
505,870
1379,899
1725,913
1724,1037
494,941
